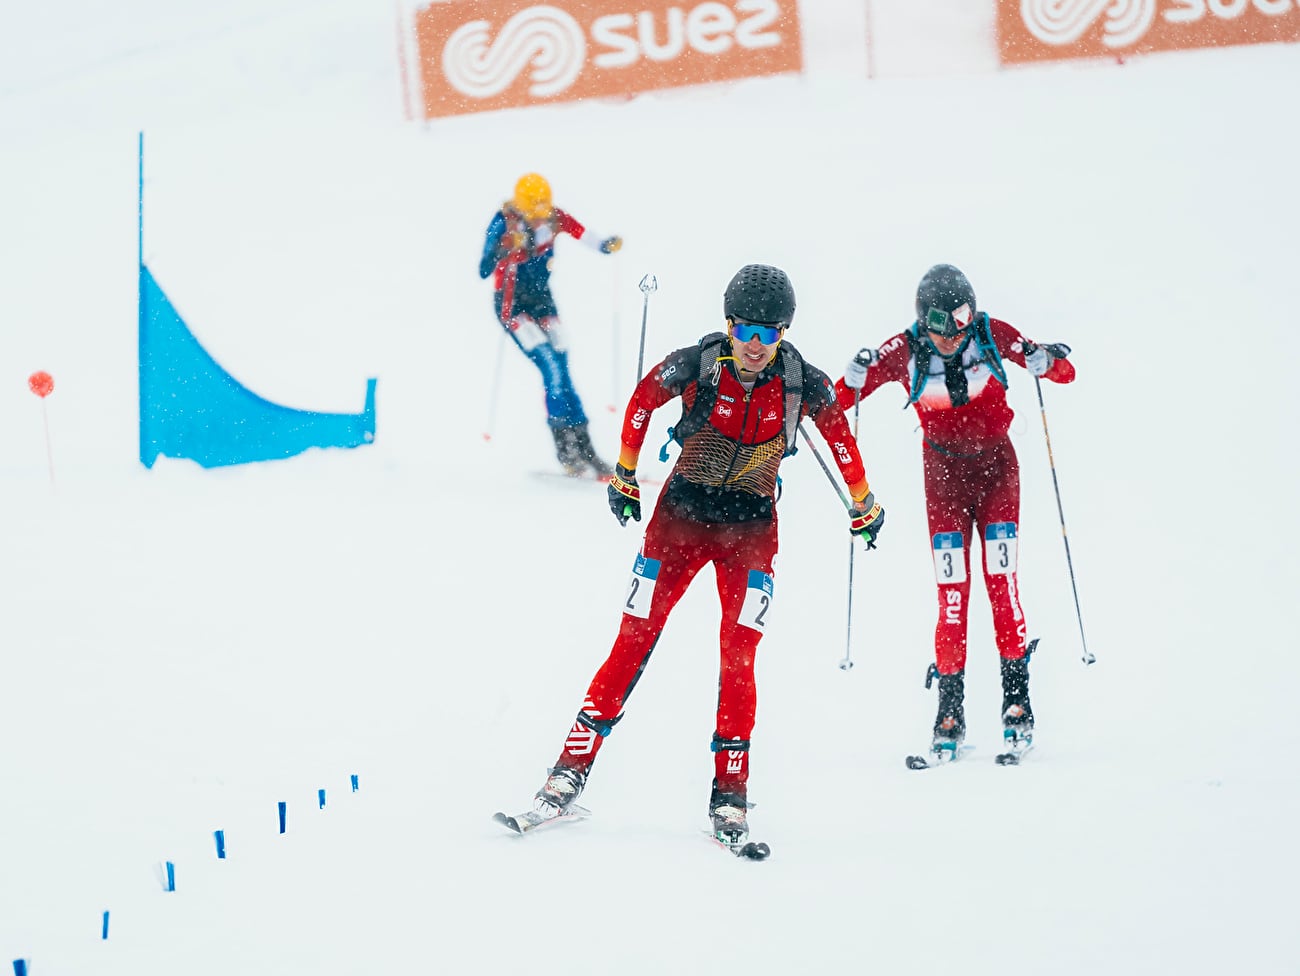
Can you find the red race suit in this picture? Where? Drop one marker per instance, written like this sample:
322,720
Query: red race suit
718,506
972,476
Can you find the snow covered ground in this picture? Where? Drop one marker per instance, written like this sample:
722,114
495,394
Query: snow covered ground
183,649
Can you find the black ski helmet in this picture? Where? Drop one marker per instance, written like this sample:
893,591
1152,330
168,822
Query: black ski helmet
759,293
942,291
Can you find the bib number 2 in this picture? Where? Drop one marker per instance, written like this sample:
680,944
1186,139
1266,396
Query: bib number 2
758,601
641,587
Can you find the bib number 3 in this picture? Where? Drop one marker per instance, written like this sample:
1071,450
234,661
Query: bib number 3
1000,548
758,601
949,558
641,587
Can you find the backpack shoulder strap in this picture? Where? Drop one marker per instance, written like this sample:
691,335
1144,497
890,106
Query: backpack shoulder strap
989,349
920,350
792,379
706,389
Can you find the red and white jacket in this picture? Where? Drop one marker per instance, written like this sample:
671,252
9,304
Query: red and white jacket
962,406
727,469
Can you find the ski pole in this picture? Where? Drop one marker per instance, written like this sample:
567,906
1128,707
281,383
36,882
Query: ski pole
615,352
492,394
648,284
1088,656
847,663
844,500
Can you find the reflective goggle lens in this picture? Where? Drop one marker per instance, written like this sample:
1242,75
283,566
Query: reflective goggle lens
949,324
744,331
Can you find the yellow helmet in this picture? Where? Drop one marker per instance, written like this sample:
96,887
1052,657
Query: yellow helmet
533,196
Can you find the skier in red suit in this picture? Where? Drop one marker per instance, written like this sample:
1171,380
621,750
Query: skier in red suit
743,394
952,363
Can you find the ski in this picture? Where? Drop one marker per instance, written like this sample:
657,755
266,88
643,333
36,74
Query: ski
530,820
1014,755
746,850
935,759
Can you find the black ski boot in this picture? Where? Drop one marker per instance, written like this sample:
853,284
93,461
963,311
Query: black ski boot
586,452
1017,713
950,722
563,785
728,812
567,451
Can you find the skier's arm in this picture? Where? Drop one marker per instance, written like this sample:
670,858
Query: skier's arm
656,388
497,244
1047,360
568,224
819,404
887,363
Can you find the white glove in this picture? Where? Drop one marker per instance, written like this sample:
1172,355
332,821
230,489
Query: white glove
855,373
1039,361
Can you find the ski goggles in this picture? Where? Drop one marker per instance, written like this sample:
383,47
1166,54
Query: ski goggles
949,324
744,331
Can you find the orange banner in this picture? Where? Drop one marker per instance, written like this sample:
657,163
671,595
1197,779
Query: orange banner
481,55
1053,30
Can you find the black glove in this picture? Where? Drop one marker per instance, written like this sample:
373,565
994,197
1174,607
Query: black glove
624,495
866,519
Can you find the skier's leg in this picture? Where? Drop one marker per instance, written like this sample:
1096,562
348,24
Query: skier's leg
553,366
563,382
669,559
948,510
997,517
743,556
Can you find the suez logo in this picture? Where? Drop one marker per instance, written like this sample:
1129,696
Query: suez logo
952,607
489,54
1030,30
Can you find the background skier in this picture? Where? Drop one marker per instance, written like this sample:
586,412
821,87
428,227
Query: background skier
517,251
952,363
743,394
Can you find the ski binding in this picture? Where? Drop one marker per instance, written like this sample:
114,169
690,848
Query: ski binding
1018,744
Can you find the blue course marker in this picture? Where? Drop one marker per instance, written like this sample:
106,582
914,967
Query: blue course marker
20,967
320,795
281,805
354,782
105,931
171,876
221,844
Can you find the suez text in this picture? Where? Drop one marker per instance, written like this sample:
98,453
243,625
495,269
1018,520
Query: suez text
709,28
1190,11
